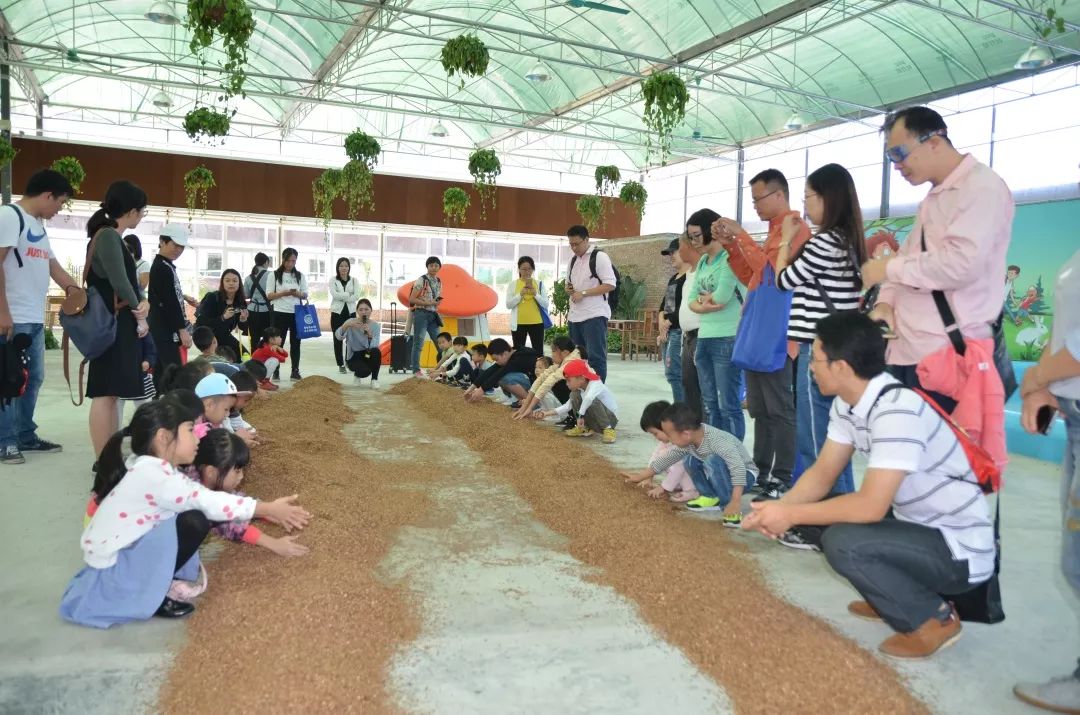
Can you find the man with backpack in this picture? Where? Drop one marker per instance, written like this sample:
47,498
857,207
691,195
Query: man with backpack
26,265
938,541
592,283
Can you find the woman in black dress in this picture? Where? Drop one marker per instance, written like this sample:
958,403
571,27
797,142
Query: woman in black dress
225,309
116,373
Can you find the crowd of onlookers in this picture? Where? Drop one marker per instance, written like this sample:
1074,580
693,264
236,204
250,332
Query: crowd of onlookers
839,346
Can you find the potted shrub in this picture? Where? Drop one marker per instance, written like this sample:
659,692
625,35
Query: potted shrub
207,123
665,108
230,20
607,179
485,167
634,194
357,188
455,203
197,183
465,55
325,190
72,170
7,152
363,148
591,209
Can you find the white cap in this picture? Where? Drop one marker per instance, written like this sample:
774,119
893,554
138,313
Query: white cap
176,233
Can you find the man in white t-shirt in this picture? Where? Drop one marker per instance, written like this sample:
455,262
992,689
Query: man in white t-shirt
26,265
589,311
939,538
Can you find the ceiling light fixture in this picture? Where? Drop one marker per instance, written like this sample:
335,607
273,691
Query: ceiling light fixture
162,100
795,122
1034,58
539,73
439,130
162,13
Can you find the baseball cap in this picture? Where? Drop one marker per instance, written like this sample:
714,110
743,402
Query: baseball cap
672,248
176,233
579,368
216,385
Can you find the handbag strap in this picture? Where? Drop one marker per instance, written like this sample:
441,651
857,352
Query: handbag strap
829,305
945,310
117,303
64,345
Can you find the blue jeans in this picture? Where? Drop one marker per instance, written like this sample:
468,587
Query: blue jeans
423,321
592,333
1070,494
17,426
514,378
712,478
673,364
812,421
719,381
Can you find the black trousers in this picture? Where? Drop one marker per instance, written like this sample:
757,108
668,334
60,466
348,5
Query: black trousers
336,321
191,530
561,391
535,334
168,353
286,323
691,388
365,363
257,322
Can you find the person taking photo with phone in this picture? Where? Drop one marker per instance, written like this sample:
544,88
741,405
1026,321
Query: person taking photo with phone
225,309
360,337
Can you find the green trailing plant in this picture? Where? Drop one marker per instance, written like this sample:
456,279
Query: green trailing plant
591,209
325,190
455,202
560,301
634,195
465,55
197,183
665,108
632,294
7,152
231,21
363,148
357,188
1052,22
607,180
71,169
207,123
485,167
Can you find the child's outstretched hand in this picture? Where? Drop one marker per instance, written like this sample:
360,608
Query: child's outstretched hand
289,514
657,492
636,477
286,546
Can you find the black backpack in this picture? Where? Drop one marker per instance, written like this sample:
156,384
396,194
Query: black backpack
612,297
14,368
22,227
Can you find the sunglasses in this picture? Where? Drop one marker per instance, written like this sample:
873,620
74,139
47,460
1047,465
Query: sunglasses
900,154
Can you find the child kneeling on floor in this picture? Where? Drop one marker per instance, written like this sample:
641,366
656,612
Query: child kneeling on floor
591,399
677,484
219,395
246,388
150,522
270,353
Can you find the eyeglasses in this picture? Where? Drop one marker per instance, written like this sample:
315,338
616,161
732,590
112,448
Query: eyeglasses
695,236
759,199
899,154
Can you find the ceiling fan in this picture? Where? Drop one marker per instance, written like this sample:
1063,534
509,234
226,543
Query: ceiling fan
584,5
70,55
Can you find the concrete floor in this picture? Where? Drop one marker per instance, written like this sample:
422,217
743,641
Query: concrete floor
570,623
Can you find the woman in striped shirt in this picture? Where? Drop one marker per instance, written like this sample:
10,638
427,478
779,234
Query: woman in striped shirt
824,279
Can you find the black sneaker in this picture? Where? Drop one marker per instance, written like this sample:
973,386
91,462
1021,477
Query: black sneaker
174,609
771,490
43,446
515,405
11,455
277,373
798,538
758,487
569,423
295,375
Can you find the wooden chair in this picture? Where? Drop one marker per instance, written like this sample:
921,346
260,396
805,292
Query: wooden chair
643,339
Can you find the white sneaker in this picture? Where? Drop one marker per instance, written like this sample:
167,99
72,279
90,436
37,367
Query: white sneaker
1061,694
357,380
374,384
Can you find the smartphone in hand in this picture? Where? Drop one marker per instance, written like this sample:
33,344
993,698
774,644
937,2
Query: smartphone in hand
1044,419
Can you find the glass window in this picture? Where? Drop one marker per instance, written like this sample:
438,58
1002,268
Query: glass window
458,248
310,239
539,254
206,233
406,244
250,235
316,269
355,242
502,251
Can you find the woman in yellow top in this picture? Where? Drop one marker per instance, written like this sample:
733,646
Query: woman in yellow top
525,297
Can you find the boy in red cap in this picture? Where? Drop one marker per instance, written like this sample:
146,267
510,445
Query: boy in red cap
590,398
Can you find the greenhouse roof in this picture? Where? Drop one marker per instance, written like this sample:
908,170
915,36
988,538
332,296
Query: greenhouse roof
318,69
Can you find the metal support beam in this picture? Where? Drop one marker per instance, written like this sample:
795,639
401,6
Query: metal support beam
5,128
740,177
26,79
886,179
978,19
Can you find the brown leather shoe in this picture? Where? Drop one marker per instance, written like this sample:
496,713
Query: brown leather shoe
863,610
926,640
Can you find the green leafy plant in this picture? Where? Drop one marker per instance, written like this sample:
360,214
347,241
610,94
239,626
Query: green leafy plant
363,148
7,152
357,188
71,169
197,183
455,202
230,20
485,167
607,179
591,209
207,123
560,301
51,343
325,190
665,108
631,298
634,194
465,55
556,331
1054,22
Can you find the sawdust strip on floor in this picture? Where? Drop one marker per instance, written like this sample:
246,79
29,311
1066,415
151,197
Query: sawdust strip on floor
315,633
692,579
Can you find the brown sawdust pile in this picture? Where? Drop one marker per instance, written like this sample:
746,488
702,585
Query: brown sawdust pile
309,634
691,578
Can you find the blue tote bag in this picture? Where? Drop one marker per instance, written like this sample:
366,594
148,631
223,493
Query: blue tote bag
307,321
761,341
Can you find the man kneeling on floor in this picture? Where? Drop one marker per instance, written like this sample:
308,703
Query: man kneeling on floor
938,538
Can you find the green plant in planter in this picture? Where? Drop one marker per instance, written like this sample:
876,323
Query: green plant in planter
607,179
634,194
591,209
71,169
197,183
363,148
1052,21
455,202
325,190
665,108
207,123
230,20
560,301
7,152
485,167
357,188
465,55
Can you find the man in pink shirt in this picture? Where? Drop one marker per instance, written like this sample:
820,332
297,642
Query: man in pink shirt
966,223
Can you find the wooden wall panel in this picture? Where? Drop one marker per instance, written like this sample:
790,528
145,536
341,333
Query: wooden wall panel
285,190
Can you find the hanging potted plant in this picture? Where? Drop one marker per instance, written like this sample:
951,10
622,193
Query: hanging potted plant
357,188
325,190
591,209
7,152
465,55
485,167
607,179
363,148
455,202
71,169
634,194
208,123
665,108
230,20
197,183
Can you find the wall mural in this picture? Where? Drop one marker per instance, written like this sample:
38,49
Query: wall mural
1044,237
